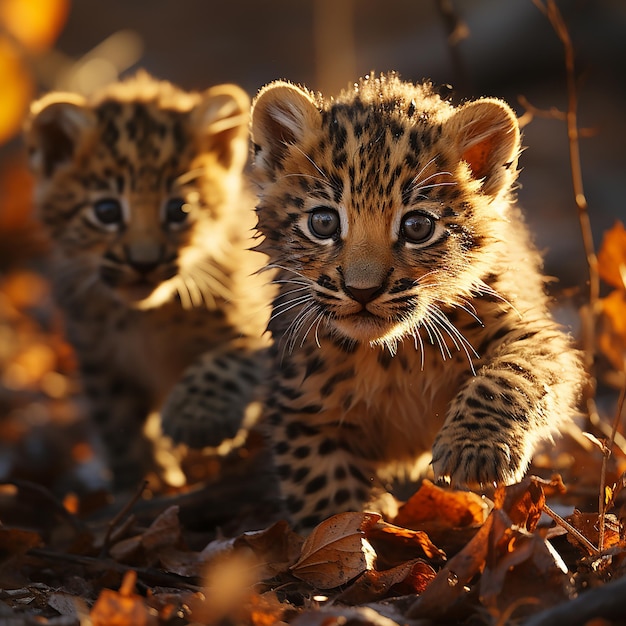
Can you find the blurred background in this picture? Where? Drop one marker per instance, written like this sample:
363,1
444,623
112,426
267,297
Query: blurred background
478,47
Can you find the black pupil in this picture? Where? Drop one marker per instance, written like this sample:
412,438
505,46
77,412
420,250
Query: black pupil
108,211
175,210
324,224
418,227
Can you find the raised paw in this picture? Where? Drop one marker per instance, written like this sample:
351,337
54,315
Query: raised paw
465,459
213,400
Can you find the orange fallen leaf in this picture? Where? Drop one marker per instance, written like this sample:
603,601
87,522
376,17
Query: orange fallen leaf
523,502
589,525
447,507
451,581
612,256
409,577
276,547
121,608
16,88
34,23
612,332
336,551
395,544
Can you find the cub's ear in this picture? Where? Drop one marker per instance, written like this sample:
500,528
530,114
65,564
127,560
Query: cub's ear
281,115
55,127
223,116
487,135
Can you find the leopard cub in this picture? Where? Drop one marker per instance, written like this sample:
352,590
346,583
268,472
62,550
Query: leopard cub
411,322
140,188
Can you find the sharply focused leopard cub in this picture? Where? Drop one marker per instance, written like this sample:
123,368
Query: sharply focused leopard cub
411,313
140,188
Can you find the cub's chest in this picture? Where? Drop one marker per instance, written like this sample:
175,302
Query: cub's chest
156,345
394,402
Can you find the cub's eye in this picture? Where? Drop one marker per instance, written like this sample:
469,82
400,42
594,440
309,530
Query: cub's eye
324,223
176,211
417,227
108,211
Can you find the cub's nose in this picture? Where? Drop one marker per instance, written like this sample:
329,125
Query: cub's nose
363,296
143,267
144,257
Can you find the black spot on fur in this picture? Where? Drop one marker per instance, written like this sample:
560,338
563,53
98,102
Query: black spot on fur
315,484
327,446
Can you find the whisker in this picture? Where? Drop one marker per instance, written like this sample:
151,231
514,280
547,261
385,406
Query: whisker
431,327
481,288
312,162
189,176
183,293
416,177
459,340
417,338
287,306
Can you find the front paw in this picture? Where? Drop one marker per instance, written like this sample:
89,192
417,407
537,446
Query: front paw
471,458
203,410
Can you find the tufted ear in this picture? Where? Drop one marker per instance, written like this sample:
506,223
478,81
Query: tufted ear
223,116
488,139
56,126
281,115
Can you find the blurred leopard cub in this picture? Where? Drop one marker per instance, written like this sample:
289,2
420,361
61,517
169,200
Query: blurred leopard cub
140,188
411,316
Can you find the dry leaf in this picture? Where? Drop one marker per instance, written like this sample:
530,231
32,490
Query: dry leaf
450,583
121,608
409,577
612,256
589,525
276,547
394,544
450,508
612,331
522,566
523,503
34,23
17,541
16,88
336,551
164,531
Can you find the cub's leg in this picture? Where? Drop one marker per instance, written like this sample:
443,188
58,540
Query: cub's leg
525,388
118,408
214,396
318,474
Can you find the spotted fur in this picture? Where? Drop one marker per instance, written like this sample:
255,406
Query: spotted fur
140,188
411,316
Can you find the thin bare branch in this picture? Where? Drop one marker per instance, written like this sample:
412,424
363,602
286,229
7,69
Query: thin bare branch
575,533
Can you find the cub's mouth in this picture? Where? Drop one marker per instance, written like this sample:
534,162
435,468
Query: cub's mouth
137,290
363,325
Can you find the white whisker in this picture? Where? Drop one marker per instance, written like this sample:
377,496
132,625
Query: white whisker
312,162
459,340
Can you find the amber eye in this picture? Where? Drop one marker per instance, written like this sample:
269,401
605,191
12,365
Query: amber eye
176,211
324,223
108,211
417,227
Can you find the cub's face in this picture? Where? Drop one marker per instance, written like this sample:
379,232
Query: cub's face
129,188
379,207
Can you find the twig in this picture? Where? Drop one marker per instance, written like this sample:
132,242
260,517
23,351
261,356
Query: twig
456,30
578,536
149,575
119,516
551,11
606,454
